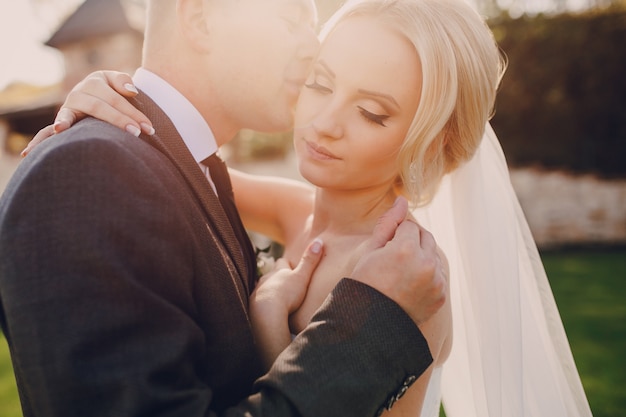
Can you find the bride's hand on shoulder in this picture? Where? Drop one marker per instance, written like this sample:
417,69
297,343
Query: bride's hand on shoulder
103,95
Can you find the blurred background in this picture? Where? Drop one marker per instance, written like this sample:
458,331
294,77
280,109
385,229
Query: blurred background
560,116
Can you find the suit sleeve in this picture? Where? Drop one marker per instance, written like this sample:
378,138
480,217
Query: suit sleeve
91,248
356,358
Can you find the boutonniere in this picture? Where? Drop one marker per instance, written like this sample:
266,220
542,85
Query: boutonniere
264,260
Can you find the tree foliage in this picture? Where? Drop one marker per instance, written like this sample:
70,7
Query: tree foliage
562,102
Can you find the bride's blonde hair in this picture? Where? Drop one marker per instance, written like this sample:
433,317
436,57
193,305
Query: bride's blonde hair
461,67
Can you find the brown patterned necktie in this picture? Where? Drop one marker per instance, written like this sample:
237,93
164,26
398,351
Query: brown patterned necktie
221,179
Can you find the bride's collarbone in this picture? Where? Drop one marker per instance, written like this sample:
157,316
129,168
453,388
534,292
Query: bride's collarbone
338,261
340,254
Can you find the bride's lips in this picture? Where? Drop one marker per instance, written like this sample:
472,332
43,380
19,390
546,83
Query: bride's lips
319,152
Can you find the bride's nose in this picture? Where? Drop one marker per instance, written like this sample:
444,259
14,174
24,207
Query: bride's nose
328,123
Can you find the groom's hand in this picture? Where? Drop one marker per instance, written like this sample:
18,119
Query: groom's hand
401,261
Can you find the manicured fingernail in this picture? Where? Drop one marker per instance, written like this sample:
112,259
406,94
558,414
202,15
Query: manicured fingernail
57,125
133,130
130,87
316,246
149,130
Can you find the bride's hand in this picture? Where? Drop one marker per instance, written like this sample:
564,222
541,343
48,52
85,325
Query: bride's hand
102,94
277,295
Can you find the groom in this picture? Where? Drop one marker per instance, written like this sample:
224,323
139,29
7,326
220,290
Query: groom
123,280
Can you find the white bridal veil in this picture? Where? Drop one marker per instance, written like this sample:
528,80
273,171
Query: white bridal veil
510,355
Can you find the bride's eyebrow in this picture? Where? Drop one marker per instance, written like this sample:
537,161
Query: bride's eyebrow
384,96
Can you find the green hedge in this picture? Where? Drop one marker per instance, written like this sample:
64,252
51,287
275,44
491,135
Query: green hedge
562,103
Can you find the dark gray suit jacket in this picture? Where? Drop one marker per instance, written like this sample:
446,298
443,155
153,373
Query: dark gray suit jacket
123,292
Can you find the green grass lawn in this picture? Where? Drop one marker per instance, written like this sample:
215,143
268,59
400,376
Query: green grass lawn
590,290
9,402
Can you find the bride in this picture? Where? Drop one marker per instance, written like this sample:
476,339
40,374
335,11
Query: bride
396,104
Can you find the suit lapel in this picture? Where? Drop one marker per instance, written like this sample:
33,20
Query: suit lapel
169,142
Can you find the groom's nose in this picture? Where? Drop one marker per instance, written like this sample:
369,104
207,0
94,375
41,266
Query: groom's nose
308,44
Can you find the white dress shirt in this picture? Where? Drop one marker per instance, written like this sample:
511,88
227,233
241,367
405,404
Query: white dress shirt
187,120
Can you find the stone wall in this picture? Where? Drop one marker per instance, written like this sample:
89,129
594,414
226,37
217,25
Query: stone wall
561,209
565,209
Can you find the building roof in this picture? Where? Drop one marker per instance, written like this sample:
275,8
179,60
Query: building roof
19,96
92,18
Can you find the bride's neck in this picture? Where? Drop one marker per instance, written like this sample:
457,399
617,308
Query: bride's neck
349,213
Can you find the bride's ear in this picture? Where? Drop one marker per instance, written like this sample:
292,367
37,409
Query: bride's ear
193,22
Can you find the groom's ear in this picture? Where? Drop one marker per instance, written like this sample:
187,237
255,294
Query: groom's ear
193,21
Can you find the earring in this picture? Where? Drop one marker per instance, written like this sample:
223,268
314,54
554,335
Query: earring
413,173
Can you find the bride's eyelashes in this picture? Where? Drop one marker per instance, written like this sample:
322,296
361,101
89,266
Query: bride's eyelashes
370,117
379,119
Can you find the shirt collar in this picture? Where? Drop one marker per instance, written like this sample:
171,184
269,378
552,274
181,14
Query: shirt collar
187,120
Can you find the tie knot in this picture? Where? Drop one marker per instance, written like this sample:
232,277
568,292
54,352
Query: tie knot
219,175
213,161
